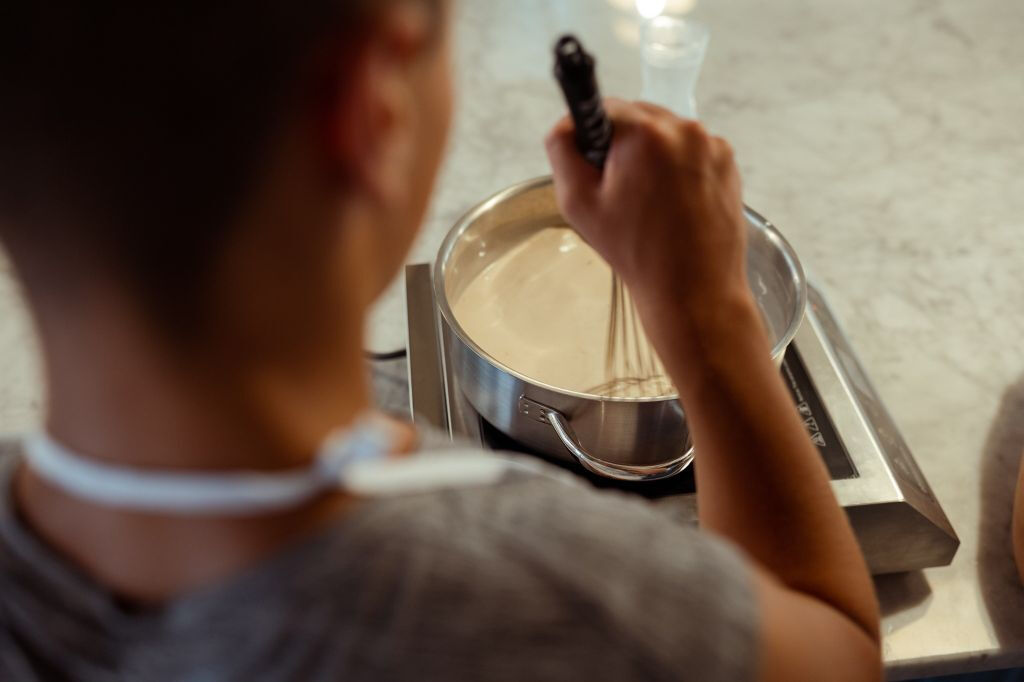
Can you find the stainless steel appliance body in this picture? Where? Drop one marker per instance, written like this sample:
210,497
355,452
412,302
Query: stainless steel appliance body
623,438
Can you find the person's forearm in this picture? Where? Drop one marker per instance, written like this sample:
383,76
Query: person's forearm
760,481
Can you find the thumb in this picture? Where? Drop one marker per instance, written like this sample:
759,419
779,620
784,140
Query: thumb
576,181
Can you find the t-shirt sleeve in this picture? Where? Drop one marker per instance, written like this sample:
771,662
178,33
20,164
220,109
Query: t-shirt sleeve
651,598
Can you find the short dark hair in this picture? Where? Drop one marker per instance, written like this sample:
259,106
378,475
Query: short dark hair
130,130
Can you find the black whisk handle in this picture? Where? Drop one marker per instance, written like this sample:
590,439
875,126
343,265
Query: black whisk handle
574,69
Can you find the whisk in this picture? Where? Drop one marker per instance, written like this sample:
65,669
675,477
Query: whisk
632,367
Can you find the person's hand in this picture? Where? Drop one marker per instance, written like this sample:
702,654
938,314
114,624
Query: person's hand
666,213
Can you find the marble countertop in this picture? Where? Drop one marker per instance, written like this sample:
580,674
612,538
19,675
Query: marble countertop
884,138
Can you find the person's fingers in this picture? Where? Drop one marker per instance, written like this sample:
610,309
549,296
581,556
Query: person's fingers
636,132
624,115
654,109
576,181
690,130
724,162
722,155
566,159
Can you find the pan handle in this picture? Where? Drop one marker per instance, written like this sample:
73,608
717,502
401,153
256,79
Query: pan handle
623,472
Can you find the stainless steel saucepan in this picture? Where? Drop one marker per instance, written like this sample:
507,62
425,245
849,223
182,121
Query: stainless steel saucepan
623,438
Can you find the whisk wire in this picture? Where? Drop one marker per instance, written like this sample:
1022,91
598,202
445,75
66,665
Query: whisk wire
631,365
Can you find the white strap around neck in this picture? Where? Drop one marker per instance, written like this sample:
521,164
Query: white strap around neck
354,459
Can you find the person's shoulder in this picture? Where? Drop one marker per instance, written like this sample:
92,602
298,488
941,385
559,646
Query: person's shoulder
527,495
548,501
540,508
537,517
604,579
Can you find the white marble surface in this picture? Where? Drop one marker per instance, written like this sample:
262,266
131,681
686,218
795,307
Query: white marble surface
885,138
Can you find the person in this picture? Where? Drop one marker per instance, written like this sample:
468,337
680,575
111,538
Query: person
202,200
1017,523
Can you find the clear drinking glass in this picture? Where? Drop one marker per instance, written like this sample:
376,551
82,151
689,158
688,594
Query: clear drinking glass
673,51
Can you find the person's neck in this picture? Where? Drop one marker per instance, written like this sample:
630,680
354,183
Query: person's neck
118,397
117,394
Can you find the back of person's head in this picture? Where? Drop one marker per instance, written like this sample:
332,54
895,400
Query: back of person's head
131,132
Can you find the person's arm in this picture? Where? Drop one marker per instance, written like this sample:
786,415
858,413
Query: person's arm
667,215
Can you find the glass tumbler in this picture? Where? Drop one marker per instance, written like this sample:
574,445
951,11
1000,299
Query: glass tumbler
673,51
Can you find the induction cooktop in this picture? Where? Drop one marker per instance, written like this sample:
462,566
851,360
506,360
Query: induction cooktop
897,519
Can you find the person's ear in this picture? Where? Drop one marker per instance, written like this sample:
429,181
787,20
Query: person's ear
373,115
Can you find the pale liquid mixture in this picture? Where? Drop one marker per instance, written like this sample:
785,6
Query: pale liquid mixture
542,309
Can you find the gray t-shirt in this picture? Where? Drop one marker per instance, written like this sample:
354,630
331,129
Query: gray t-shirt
536,577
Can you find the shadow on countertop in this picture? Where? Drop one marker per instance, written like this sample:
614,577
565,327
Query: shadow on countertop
899,593
997,574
